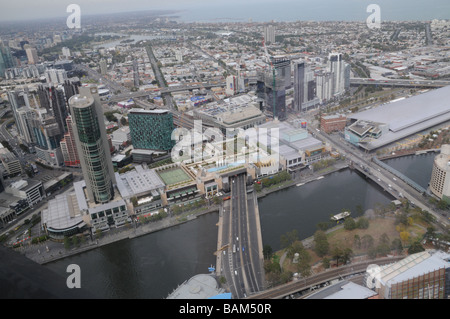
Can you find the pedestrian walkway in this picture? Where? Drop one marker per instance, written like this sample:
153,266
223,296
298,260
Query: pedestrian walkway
51,250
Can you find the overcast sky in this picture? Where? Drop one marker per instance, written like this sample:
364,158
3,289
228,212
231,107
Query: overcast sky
35,9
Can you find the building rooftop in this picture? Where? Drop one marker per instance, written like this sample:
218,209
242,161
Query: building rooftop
413,266
201,286
408,116
62,213
138,181
343,290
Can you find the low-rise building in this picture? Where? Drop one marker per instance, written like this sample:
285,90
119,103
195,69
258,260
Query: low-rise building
332,123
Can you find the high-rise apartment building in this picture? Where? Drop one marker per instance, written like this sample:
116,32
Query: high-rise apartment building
324,86
340,71
269,34
151,129
92,144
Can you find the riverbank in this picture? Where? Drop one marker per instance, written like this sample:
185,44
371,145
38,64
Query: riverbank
51,251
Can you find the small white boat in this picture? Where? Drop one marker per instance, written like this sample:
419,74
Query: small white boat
340,216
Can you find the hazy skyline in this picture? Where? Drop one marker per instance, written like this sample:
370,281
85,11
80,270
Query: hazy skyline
255,9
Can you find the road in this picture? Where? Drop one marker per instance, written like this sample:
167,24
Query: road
399,82
321,278
384,177
242,261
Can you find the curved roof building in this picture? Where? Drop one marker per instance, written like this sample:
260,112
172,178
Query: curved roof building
400,119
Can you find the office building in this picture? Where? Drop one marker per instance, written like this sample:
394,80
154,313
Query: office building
30,190
304,88
333,123
232,85
151,129
440,176
10,162
47,137
65,52
92,144
271,87
32,55
103,67
56,76
69,147
53,100
71,87
7,60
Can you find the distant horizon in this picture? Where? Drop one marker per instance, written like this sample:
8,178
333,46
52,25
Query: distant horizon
234,10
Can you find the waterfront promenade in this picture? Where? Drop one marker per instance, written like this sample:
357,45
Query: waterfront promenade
50,251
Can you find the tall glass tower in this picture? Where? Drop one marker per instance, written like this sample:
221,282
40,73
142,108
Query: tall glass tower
92,145
151,129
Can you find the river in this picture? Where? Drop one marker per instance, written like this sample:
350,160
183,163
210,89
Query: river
152,266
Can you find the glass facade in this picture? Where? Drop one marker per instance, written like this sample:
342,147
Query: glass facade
92,151
151,129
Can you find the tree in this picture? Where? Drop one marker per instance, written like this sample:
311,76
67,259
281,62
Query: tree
67,242
367,241
321,245
267,251
362,223
396,245
349,223
415,247
347,254
326,262
404,236
289,238
336,254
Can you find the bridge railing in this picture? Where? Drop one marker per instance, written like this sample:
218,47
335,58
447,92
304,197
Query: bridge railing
404,178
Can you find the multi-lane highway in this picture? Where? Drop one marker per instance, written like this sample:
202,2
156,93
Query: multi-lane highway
242,262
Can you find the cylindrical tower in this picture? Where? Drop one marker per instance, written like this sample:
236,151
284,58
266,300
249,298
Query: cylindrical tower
91,148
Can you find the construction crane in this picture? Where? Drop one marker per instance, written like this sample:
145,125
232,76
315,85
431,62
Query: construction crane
269,62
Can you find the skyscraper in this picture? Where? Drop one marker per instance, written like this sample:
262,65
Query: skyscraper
6,59
299,87
339,69
269,34
92,144
53,99
69,147
304,88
